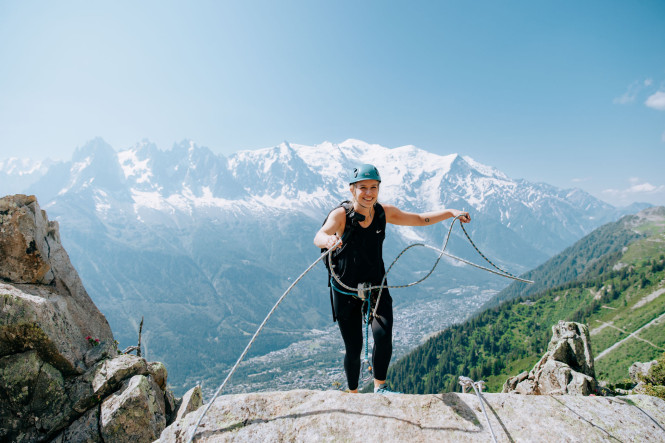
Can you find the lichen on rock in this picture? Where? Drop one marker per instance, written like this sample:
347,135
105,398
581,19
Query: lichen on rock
59,364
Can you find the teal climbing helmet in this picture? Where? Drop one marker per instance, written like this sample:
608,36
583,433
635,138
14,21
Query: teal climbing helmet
364,172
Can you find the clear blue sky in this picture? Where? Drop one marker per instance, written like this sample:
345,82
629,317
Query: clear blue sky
571,93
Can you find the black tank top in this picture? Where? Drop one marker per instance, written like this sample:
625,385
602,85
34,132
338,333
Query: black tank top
361,260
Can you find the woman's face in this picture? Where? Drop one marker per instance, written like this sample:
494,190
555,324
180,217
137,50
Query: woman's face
365,192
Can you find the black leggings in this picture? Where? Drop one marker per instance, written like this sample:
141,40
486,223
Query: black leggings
350,319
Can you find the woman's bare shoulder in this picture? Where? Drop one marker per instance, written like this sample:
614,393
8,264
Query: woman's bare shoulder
338,212
389,208
337,217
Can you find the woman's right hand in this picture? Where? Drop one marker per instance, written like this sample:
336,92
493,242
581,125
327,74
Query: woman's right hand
333,241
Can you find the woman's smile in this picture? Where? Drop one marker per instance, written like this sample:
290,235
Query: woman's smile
366,192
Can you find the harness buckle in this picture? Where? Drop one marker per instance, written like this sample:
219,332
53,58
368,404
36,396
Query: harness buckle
363,292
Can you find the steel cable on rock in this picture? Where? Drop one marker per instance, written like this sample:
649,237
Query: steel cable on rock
478,388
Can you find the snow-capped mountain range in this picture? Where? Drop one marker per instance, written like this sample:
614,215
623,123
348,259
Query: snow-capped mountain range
188,180
16,174
202,244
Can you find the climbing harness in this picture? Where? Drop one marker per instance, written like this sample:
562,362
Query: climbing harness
364,291
466,382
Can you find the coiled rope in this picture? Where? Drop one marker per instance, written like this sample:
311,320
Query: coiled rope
367,288
441,252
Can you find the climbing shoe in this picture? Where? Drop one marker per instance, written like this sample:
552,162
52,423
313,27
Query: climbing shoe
383,389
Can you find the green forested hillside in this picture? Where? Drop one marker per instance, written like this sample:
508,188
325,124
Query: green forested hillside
616,290
579,259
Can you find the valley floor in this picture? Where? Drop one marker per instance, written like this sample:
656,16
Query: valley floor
316,361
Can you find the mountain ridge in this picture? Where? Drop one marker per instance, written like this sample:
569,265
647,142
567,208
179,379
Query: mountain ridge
201,243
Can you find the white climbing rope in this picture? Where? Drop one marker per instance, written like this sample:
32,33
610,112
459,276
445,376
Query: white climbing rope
368,288
233,369
477,386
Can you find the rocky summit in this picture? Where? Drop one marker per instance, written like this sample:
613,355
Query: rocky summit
313,416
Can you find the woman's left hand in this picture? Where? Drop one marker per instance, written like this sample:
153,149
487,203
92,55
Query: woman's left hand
463,216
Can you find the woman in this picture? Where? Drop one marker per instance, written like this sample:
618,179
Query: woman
357,259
